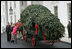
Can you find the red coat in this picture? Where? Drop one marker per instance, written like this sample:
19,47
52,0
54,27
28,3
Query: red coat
20,24
15,30
36,29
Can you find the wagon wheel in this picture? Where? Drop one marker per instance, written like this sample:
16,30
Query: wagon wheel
24,38
51,43
33,42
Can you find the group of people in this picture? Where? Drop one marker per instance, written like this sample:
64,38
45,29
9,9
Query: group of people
12,30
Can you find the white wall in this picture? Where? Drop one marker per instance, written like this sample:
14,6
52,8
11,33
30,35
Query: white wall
48,5
22,7
9,16
28,3
16,11
36,2
3,20
63,15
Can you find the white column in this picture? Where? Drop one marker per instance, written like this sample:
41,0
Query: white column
63,16
3,16
17,10
6,11
9,17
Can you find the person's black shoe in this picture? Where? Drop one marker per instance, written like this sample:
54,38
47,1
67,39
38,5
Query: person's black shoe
8,41
12,41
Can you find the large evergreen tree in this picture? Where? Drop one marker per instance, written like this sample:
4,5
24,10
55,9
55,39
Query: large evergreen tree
46,21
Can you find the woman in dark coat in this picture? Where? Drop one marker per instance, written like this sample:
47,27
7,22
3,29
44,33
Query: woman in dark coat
8,30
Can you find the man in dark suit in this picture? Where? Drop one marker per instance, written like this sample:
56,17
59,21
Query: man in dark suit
8,30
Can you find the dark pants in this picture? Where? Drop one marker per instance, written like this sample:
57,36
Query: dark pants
19,31
8,37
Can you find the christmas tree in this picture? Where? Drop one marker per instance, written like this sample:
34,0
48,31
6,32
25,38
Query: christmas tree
48,23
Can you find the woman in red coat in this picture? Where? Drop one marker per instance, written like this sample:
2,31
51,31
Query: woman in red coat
15,33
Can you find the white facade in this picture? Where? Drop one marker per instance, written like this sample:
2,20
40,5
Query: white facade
16,11
3,19
19,6
62,14
23,5
5,13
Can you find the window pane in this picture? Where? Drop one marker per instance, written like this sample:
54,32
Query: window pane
56,10
15,4
22,3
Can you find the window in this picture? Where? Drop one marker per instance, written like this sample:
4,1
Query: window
22,3
56,10
11,19
15,4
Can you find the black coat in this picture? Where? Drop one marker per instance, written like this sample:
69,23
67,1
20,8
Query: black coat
8,28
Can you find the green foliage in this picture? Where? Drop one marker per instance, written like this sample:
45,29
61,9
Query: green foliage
45,20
